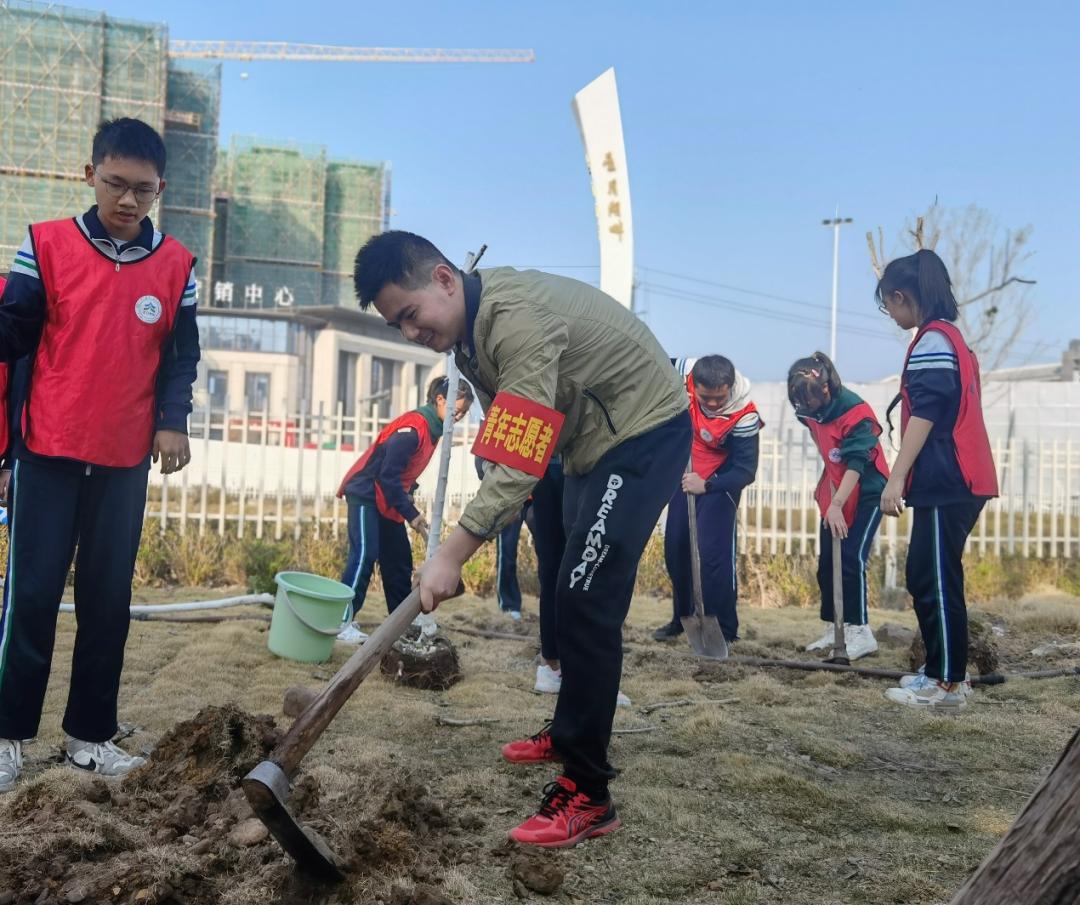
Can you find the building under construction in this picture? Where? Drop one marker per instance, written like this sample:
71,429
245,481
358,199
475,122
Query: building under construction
273,224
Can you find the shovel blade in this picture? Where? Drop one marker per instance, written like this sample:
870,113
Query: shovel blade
705,636
267,791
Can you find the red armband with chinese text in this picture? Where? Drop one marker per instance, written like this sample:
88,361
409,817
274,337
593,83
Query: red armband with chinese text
519,433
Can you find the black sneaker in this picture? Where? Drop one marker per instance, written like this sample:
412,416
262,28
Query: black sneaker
666,632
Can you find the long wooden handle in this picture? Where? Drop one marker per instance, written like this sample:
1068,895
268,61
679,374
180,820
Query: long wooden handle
837,593
311,723
695,553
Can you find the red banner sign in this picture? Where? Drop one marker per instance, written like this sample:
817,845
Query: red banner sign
519,433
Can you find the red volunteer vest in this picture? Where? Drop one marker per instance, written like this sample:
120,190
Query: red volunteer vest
92,393
706,452
416,464
969,433
3,393
827,438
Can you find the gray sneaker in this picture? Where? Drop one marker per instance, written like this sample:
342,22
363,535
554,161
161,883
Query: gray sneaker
913,681
104,758
929,694
10,763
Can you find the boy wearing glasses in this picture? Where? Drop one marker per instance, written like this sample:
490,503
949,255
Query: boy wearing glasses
103,307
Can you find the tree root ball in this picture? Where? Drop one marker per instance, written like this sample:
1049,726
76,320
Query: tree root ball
982,650
421,662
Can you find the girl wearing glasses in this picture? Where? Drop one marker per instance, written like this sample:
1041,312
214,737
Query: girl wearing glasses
846,433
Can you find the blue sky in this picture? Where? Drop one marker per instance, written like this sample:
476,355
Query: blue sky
745,125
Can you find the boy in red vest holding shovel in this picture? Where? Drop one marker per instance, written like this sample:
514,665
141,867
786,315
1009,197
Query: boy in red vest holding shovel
378,489
104,306
725,460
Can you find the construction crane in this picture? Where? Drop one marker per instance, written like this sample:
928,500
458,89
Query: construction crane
283,50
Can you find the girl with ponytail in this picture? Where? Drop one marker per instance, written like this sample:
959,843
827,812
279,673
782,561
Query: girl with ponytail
848,495
944,470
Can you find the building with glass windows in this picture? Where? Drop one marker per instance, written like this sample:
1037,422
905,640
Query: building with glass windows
275,224
339,359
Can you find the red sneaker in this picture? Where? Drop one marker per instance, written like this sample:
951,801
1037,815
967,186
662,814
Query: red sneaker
566,817
531,750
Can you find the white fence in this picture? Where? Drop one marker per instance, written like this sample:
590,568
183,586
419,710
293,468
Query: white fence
265,474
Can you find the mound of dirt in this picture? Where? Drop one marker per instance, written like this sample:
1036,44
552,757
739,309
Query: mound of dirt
983,656
179,831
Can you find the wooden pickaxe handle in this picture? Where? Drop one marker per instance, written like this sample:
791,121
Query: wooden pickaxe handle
311,723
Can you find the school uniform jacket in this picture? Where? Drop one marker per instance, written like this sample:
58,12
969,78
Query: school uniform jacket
941,384
387,471
846,433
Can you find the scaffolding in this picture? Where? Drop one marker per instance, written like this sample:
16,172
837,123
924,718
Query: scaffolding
193,107
275,231
355,197
62,71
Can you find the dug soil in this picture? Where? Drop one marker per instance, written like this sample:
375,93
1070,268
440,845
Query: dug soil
179,831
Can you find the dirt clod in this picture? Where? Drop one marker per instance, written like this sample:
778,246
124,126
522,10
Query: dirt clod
892,635
536,870
421,895
296,700
251,832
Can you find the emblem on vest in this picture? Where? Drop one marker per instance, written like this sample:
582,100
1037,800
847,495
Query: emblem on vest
834,456
706,435
148,309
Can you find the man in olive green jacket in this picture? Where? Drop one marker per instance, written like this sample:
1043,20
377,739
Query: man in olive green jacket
565,351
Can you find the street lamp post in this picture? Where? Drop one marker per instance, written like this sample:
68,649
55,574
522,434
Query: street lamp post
835,222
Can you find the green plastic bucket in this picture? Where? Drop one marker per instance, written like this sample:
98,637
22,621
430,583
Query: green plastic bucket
308,613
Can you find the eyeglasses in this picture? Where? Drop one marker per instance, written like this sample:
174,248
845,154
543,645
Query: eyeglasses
143,194
881,307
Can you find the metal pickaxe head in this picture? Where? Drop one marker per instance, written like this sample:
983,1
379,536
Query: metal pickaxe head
267,791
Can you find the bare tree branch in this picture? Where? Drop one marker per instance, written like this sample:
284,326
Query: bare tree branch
985,264
994,289
875,261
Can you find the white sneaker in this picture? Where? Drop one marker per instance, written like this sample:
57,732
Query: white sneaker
929,694
915,680
824,642
10,763
514,614
101,757
351,634
548,680
859,640
622,700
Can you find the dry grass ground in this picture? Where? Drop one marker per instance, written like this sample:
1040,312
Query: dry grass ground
772,787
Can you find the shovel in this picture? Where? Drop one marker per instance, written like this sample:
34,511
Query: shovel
839,644
703,632
267,786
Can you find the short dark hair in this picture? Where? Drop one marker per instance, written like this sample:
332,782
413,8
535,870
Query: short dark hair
439,386
713,372
807,380
129,138
398,257
925,278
